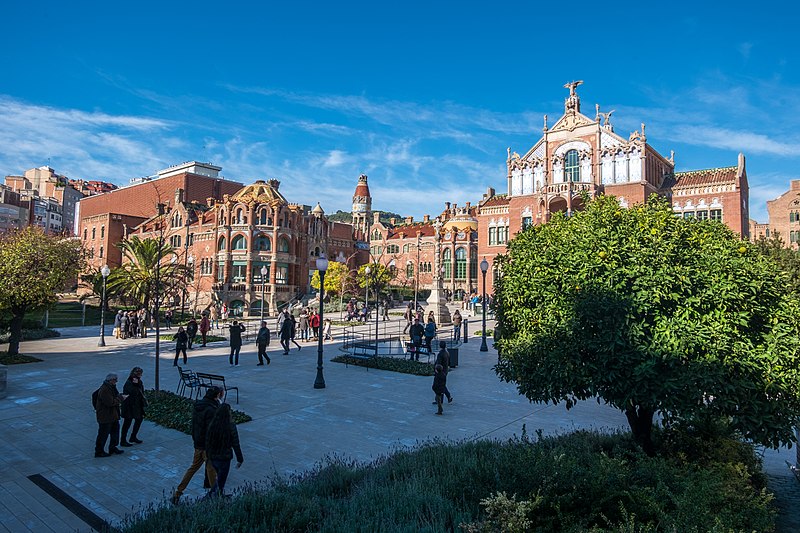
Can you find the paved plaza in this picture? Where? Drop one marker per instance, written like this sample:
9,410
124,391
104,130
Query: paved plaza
48,425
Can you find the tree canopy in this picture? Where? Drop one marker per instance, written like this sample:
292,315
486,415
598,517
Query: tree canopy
34,267
136,278
651,313
337,278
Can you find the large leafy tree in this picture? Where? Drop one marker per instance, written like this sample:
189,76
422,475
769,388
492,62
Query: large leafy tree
651,313
378,278
138,279
337,278
33,268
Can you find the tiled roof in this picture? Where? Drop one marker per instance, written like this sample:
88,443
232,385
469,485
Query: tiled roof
694,178
500,199
410,231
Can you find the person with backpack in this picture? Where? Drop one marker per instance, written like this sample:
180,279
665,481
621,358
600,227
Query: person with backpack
202,415
235,331
430,333
107,401
262,341
222,441
133,407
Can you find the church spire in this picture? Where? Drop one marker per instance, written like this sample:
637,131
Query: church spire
362,206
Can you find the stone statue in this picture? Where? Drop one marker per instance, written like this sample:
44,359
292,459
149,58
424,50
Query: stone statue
508,150
597,112
572,86
606,117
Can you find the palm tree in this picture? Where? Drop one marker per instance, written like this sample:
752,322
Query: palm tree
137,278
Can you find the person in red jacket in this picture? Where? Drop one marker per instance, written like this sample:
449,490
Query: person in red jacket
313,321
205,325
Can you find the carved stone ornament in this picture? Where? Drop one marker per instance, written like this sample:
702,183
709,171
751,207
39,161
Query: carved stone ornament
447,236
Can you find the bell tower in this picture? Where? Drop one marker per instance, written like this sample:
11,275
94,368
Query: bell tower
362,206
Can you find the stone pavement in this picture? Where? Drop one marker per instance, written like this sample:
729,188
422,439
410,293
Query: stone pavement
48,427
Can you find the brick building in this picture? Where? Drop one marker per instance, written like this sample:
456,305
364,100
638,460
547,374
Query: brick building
53,200
579,155
784,218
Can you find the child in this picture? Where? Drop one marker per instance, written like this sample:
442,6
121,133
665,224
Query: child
326,330
439,386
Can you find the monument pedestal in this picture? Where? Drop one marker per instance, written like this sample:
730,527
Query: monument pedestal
438,304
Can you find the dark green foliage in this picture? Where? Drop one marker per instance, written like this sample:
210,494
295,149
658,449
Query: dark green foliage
175,412
33,334
651,313
572,483
393,364
17,359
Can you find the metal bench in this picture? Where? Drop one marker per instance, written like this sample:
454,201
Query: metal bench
188,380
216,380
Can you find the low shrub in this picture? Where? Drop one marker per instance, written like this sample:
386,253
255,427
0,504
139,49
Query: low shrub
30,334
209,338
578,482
175,412
18,359
479,332
404,366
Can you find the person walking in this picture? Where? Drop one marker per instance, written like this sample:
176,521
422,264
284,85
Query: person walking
123,326
457,319
385,310
439,386
262,341
191,331
416,333
443,359
117,324
313,321
222,442
107,403
430,333
202,414
133,407
285,332
235,330
168,318
214,312
294,331
303,325
409,318
181,342
326,330
205,325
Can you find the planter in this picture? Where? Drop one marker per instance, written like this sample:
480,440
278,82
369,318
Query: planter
3,381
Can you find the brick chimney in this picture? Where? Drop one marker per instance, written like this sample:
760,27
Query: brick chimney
409,220
426,219
178,196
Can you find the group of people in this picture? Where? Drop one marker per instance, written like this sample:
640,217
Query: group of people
185,338
132,324
110,405
306,326
360,311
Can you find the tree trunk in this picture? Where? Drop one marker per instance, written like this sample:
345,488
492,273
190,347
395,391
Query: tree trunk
16,330
641,421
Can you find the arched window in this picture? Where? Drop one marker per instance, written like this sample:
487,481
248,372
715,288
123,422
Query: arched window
283,245
461,263
85,233
572,166
263,217
239,243
101,252
94,233
409,270
221,244
263,244
376,235
102,232
447,263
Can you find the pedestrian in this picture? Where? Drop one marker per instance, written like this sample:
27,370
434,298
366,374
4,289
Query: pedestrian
123,326
351,309
285,332
235,331
385,311
117,324
133,407
133,319
416,333
204,410
107,403
191,331
443,359
409,318
457,319
225,313
294,331
181,342
222,441
282,316
313,321
262,341
303,325
431,316
205,325
439,386
168,318
430,333
214,316
326,330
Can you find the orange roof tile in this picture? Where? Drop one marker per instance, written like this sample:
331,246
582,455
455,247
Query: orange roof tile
710,176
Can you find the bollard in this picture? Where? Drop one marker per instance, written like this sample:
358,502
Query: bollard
466,327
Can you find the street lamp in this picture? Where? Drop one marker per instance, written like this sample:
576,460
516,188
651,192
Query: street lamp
191,278
377,304
484,268
263,285
105,271
367,271
322,266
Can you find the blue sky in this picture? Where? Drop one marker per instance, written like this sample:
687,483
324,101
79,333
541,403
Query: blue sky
422,97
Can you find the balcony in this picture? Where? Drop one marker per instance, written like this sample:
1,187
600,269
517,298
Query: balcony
574,187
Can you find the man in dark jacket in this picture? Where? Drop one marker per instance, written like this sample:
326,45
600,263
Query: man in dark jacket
443,358
106,408
262,341
235,330
204,410
439,386
286,333
191,331
416,332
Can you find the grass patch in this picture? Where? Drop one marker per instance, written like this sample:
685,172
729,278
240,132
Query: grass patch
18,359
175,412
197,339
393,364
30,335
579,482
479,333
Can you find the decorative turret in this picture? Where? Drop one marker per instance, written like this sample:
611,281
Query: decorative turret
572,104
362,206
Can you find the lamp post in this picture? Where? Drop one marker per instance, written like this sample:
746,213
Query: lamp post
377,304
191,278
367,271
105,271
484,268
263,285
322,266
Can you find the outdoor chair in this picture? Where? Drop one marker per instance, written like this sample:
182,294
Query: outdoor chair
188,380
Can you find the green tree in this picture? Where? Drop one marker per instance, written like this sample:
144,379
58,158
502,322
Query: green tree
337,278
136,278
651,313
787,259
379,277
33,268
